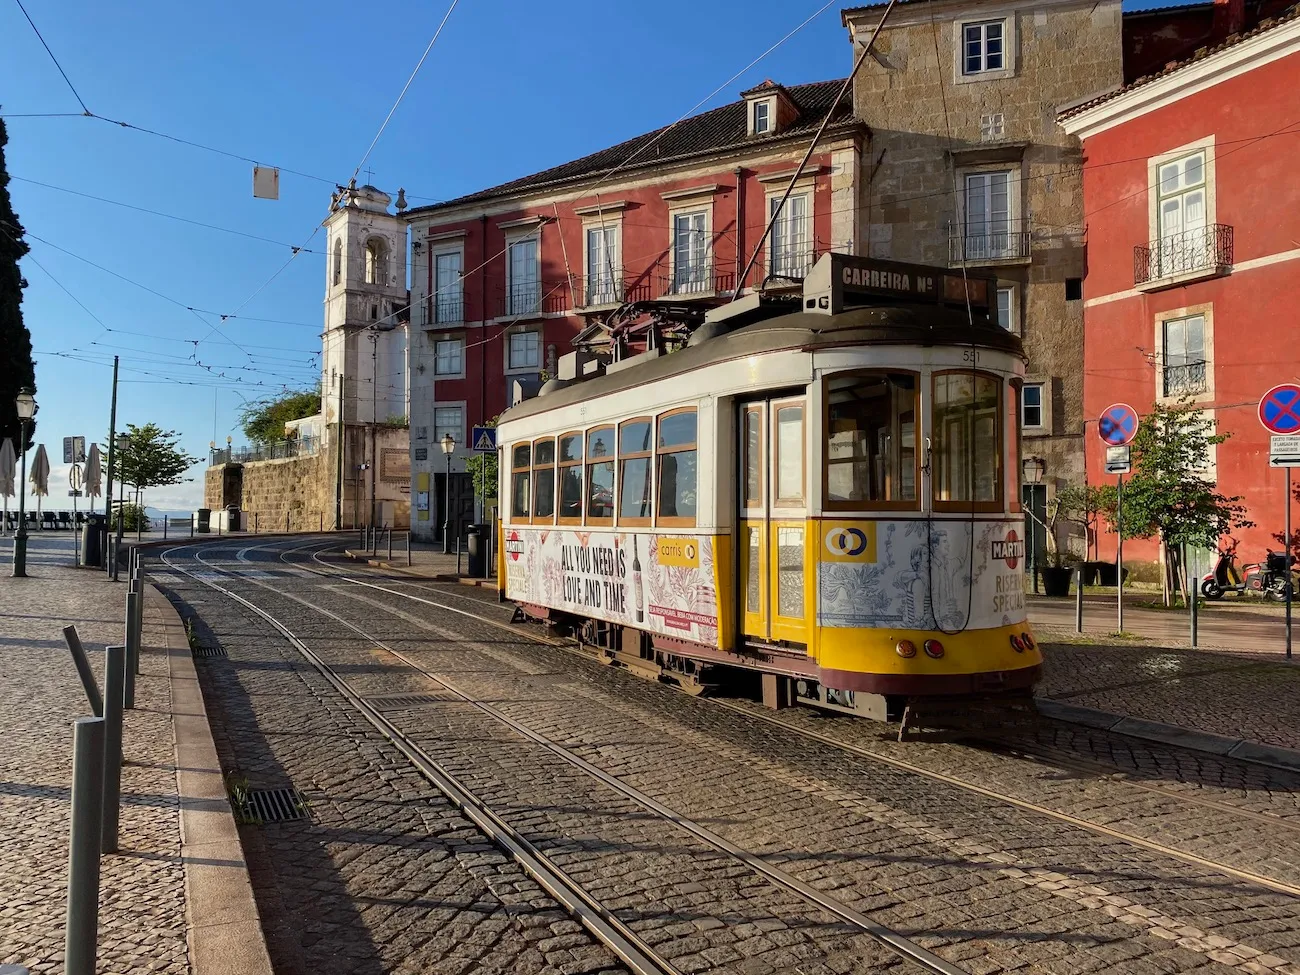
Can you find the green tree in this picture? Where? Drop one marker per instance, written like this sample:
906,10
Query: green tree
263,422
1168,496
151,457
17,368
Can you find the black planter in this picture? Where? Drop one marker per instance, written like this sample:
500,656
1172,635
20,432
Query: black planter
1091,572
1106,574
1056,581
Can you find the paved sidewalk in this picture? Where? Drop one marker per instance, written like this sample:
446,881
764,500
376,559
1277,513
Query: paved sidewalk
146,920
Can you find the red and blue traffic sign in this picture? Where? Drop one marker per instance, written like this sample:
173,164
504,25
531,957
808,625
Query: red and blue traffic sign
1118,424
1279,409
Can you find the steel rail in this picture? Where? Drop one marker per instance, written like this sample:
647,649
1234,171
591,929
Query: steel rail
597,919
1027,805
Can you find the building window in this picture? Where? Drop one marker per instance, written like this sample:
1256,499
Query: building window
988,231
676,481
1031,405
448,419
604,276
376,262
448,290
1007,308
691,272
338,260
871,440
762,118
523,283
966,442
600,476
448,357
1184,356
1074,289
791,247
1182,217
524,352
982,47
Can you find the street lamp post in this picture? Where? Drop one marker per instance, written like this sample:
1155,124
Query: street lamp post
25,403
448,443
1033,468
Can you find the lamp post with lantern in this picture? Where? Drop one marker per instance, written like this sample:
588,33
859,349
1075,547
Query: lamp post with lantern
448,444
25,403
1032,469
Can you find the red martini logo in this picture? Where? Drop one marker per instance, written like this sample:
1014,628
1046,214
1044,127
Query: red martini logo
514,547
1011,550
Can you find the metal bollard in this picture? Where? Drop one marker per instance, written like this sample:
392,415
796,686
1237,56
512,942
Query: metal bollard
132,648
1195,610
139,620
114,681
255,514
286,521
1078,600
408,547
389,532
81,936
458,554
73,641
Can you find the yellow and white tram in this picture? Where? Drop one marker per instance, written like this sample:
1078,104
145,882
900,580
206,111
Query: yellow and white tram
823,489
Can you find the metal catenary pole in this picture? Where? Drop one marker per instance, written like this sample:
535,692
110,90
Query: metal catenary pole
82,928
1119,554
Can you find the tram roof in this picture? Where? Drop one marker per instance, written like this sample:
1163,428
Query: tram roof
887,323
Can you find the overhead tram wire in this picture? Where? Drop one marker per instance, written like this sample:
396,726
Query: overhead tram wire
71,86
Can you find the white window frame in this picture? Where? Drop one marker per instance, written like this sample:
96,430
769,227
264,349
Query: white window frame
769,116
804,189
518,370
1010,46
459,301
612,222
1012,322
534,235
706,277
1014,212
456,430
1044,424
459,342
1154,164
1206,313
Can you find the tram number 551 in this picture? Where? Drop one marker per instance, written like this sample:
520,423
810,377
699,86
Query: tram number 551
970,355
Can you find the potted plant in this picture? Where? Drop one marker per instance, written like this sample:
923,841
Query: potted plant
1056,575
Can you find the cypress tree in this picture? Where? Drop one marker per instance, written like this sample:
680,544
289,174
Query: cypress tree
17,368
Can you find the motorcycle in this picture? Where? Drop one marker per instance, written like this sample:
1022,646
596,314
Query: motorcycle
1268,579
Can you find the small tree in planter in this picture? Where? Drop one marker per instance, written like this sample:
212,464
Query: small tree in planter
1069,506
1083,505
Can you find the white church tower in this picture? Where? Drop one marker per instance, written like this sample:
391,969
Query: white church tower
364,391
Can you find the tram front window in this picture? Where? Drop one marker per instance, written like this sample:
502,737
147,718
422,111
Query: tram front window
871,439
966,461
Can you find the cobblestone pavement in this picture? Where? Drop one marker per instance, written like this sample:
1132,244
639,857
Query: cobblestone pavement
989,885
142,896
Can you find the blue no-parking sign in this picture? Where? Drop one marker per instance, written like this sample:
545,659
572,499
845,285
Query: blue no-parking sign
1279,409
1118,424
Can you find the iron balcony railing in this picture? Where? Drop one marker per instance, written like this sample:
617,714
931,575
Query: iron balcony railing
281,450
988,240
1183,379
1207,249
601,288
446,310
689,279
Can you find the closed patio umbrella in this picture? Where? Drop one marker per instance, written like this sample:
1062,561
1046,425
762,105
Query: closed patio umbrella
92,480
39,475
8,472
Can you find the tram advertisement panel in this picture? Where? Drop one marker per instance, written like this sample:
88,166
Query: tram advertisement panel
651,582
891,582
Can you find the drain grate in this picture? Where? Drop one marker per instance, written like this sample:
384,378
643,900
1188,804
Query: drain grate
208,651
396,702
271,805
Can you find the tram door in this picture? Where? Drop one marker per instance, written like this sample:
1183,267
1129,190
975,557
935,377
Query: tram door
773,519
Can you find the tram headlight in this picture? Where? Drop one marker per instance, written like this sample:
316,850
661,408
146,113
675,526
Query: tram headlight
933,648
1027,640
906,648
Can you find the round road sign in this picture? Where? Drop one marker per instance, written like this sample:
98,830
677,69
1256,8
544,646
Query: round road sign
1118,424
1279,409
74,477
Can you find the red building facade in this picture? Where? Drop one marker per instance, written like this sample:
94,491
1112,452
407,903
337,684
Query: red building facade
506,281
1192,214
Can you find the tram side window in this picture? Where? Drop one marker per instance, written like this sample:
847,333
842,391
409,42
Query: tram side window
519,472
677,468
966,464
600,476
570,465
544,480
635,445
871,440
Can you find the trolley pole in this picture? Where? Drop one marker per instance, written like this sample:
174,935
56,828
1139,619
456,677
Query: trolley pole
1119,553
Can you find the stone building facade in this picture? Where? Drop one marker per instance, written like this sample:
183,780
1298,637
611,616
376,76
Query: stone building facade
968,166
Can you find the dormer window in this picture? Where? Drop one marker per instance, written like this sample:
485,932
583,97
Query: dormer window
762,118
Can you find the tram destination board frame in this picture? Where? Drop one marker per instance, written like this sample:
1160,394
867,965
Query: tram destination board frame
840,281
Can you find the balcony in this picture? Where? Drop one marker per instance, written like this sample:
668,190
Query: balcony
281,450
1177,258
695,281
530,299
988,242
445,310
1186,379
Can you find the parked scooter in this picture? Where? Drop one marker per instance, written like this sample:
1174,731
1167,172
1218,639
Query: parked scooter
1268,578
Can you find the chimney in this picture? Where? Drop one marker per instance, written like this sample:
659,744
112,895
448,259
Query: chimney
1229,18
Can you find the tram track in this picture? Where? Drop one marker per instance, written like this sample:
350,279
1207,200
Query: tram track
598,919
1099,829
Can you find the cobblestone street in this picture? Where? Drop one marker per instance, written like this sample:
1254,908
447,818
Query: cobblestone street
1066,850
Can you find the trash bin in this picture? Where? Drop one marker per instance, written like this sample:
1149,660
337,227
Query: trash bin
478,537
232,518
93,536
204,525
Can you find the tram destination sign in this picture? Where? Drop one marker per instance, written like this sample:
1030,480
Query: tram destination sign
840,281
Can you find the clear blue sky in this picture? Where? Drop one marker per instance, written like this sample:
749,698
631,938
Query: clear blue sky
510,87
